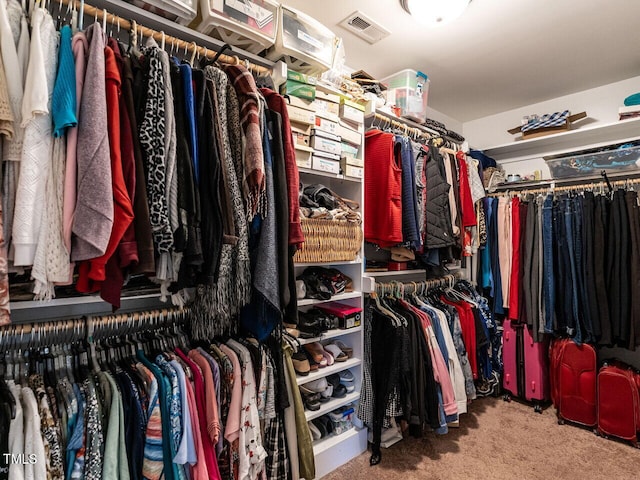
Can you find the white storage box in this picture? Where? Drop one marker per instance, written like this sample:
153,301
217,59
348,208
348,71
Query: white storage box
408,91
326,162
351,112
326,142
351,170
327,103
306,45
326,124
301,115
301,135
180,11
247,24
349,134
304,156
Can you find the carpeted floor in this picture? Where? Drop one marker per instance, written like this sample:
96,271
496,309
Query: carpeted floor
498,440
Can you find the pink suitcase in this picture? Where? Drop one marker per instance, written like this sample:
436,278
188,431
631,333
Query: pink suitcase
526,373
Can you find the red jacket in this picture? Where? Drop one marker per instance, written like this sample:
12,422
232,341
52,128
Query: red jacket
92,272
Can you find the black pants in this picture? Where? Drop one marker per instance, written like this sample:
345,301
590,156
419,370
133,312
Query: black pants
633,213
619,269
588,248
600,273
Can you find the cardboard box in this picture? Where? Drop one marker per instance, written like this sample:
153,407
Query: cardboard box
301,135
324,144
351,170
325,124
347,315
327,103
349,134
301,115
355,161
304,156
349,150
326,162
297,89
301,77
351,111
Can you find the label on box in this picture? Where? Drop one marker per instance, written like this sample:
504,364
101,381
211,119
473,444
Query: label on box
322,133
300,138
326,106
301,77
305,37
262,16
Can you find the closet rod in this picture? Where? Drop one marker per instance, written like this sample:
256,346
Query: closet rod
450,279
161,37
582,179
568,188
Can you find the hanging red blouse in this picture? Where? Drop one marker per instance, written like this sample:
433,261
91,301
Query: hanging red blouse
514,286
382,190
466,200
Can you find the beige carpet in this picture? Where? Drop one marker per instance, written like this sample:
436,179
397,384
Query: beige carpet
498,440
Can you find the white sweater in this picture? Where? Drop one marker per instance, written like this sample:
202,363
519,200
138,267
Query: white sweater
38,140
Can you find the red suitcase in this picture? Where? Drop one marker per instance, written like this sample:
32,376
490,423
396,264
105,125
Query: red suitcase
574,370
618,403
525,365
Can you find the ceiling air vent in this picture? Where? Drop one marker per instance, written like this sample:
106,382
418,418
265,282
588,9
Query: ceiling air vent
364,27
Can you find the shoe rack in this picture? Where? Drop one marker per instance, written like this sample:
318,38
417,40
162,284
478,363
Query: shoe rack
335,450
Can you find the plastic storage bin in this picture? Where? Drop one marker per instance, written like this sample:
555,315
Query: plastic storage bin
246,24
180,11
613,158
342,419
408,90
302,42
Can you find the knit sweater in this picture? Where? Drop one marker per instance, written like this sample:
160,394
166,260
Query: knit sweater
94,270
38,141
64,92
93,218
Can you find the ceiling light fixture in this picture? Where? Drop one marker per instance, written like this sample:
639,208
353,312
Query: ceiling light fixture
435,12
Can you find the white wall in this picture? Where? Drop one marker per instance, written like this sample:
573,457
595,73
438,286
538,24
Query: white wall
601,105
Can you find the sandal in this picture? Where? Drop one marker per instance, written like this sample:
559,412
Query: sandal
338,355
347,376
328,357
315,432
315,351
346,349
300,364
312,402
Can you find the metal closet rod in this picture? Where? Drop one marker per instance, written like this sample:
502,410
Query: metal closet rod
161,37
402,287
568,188
409,130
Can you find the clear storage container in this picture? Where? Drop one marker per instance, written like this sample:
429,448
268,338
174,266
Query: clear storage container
305,44
247,24
614,158
342,419
408,91
180,11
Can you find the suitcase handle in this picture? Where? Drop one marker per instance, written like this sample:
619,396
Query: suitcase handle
533,386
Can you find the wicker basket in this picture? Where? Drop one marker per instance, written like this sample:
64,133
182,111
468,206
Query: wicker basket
329,241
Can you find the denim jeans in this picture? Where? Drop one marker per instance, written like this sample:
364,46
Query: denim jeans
570,240
548,279
583,302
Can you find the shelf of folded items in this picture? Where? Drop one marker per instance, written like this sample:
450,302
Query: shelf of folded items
326,371
335,298
332,405
337,332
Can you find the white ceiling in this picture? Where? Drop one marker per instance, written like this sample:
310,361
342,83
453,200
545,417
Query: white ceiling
501,54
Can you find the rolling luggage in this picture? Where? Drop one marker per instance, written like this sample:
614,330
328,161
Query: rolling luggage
619,403
573,376
526,373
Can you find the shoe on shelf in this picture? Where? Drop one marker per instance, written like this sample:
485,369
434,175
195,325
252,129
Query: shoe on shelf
328,357
301,363
338,354
315,432
316,386
348,351
312,402
315,351
346,376
339,390
324,425
313,365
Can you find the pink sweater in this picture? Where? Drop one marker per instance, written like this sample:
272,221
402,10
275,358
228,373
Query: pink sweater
80,47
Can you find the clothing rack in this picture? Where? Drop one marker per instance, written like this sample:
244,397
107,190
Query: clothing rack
401,288
38,334
585,183
135,29
410,128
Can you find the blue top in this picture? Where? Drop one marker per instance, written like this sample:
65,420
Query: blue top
410,220
190,106
64,104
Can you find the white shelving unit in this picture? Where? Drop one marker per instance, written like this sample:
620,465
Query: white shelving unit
334,451
336,298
